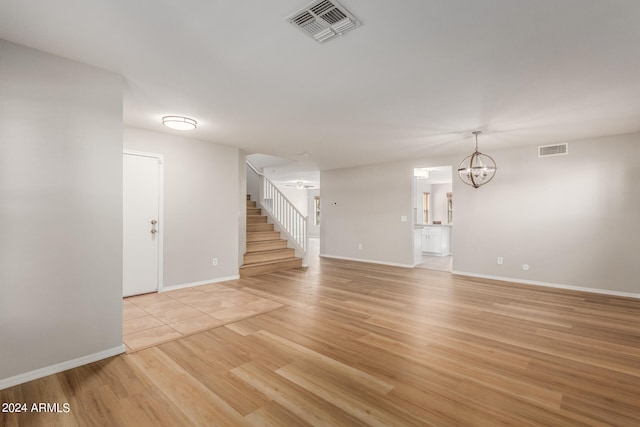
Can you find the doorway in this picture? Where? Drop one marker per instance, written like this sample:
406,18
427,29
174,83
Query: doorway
433,217
141,223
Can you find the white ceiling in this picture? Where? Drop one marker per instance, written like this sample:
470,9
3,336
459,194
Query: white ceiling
287,171
414,80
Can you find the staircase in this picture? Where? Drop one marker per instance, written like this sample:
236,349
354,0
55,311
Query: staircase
266,251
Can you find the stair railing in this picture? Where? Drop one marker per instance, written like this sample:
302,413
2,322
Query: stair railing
283,213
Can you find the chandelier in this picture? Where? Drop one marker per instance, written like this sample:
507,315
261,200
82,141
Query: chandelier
477,169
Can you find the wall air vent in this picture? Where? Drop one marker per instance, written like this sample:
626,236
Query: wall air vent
553,150
324,20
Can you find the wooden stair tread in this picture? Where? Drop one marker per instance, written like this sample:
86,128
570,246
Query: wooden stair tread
262,236
280,261
249,270
268,241
259,227
272,250
265,245
268,255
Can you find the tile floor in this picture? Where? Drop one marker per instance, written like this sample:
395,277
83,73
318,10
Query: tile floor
156,318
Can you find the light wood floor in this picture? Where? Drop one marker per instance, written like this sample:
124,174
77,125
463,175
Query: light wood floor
360,344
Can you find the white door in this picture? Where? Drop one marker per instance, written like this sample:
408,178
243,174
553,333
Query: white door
141,209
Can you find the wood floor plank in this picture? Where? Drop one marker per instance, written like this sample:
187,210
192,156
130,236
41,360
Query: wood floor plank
199,404
329,385
490,378
445,408
295,399
216,377
272,414
366,381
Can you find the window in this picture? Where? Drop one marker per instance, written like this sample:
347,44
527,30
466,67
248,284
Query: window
425,208
316,210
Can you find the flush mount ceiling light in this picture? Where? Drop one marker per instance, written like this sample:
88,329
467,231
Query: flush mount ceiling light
179,122
477,169
299,185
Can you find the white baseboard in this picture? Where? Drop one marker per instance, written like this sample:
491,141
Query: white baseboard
369,261
549,285
203,282
59,367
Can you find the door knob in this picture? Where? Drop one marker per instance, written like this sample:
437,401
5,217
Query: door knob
154,231
154,222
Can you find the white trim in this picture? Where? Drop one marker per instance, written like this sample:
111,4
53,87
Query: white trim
59,367
369,261
160,234
549,285
142,153
203,282
253,167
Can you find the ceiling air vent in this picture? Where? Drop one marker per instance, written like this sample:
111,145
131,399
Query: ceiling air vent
324,19
553,150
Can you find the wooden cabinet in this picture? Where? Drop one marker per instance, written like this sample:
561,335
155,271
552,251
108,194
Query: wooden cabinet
436,240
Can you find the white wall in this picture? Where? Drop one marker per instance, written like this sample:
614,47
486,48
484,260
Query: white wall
364,205
253,183
60,212
202,199
439,202
422,186
574,219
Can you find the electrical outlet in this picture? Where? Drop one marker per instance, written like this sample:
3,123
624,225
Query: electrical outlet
500,260
360,246
214,261
403,218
